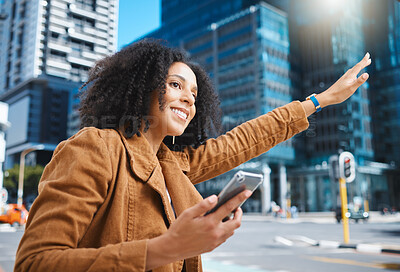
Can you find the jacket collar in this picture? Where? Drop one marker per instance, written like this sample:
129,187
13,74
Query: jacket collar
143,160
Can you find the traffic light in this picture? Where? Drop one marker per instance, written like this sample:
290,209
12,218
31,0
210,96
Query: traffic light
347,166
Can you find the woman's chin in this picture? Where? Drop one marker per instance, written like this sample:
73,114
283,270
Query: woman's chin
177,132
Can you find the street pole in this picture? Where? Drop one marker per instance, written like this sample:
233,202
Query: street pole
343,197
266,190
21,171
347,173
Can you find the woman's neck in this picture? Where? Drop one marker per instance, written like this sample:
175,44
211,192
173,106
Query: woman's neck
154,139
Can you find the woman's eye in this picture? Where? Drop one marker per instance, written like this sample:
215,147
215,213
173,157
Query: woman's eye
195,96
175,84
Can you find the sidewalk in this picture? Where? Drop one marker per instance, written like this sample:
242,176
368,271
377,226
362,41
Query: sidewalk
6,228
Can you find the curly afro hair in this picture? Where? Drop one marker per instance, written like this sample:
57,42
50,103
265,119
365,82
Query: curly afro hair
118,90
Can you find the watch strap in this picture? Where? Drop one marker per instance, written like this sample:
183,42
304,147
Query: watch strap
315,101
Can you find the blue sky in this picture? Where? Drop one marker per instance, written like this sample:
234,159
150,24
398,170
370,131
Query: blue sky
136,18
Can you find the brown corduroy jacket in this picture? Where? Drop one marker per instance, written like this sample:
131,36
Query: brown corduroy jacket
103,196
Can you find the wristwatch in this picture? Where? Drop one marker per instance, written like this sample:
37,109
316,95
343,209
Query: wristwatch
315,101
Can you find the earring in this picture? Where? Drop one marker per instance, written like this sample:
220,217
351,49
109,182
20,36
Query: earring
173,140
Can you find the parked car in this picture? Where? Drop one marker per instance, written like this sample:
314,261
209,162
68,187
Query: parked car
352,214
14,214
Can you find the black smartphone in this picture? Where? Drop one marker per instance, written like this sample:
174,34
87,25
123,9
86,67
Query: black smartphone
240,181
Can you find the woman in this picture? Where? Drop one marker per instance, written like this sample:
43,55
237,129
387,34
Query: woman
119,195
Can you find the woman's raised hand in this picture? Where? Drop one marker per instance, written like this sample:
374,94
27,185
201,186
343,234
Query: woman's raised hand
193,233
345,86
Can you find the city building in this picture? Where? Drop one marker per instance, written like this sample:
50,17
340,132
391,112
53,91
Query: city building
263,54
38,110
57,38
328,43
46,50
246,53
384,25
383,32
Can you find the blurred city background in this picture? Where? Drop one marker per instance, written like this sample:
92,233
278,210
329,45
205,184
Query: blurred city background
259,54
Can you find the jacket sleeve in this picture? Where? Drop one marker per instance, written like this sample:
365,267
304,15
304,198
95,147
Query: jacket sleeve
245,142
73,185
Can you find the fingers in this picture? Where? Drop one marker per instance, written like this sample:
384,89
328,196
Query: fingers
237,218
361,80
231,205
201,208
361,65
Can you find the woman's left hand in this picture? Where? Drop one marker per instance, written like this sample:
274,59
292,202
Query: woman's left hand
345,86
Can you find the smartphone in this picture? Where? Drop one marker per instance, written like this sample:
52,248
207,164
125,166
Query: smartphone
240,181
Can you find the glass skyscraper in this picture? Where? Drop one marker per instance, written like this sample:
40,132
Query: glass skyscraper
383,30
245,48
384,25
263,54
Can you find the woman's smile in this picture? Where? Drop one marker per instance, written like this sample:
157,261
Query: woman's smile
181,113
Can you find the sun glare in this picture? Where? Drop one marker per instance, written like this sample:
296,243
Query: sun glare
333,4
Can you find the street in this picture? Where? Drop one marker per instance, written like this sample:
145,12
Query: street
253,248
256,248
9,239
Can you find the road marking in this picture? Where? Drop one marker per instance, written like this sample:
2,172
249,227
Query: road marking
280,239
355,263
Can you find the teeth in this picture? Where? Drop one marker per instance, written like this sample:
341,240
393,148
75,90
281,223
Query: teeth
180,113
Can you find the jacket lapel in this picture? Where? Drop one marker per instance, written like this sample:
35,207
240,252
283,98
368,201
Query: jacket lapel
182,191
145,165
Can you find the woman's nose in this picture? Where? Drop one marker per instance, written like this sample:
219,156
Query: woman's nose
188,97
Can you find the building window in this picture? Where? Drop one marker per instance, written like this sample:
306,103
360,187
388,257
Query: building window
357,124
358,142
368,144
366,109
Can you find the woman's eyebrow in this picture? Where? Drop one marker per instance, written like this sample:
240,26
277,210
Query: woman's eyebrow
182,78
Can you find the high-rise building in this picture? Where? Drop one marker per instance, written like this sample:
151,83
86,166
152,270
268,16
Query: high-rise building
329,42
241,52
47,47
383,32
384,26
245,49
259,62
194,15
57,38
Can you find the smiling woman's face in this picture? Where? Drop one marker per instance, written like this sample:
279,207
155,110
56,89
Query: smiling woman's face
179,108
